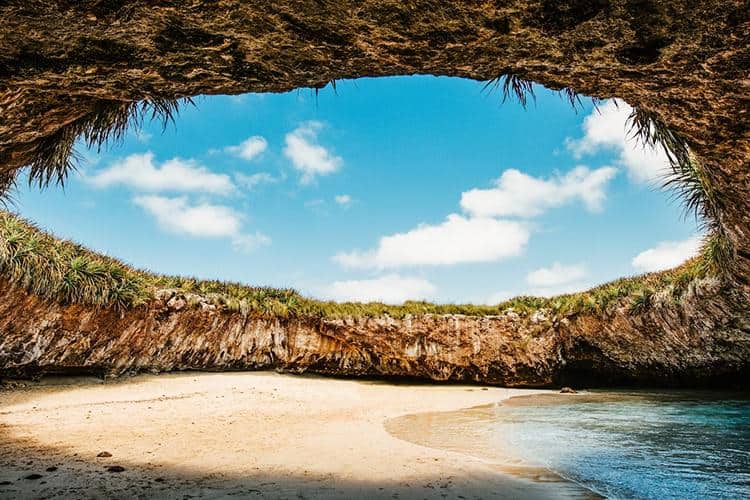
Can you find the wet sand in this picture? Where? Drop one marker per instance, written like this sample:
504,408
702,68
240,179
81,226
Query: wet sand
245,435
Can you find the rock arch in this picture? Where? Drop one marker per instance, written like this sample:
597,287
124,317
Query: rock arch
685,61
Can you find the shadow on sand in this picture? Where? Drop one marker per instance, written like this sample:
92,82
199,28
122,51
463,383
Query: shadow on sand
68,470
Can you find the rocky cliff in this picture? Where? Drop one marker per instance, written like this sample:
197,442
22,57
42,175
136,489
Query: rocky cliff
684,61
698,343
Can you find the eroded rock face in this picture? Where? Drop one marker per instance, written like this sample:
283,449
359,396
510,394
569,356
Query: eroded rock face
685,60
662,347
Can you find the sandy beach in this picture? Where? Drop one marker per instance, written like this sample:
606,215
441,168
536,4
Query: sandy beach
243,435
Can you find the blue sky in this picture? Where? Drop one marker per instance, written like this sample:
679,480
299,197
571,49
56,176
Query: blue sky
393,188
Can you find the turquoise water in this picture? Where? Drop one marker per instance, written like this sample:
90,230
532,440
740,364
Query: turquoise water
635,445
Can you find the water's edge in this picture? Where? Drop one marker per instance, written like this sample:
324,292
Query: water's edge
631,444
411,428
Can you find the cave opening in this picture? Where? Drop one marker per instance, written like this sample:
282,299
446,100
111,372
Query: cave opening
382,189
73,69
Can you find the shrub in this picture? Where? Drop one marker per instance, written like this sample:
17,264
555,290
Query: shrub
63,271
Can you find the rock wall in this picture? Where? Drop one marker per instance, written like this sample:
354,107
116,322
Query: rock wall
701,343
686,60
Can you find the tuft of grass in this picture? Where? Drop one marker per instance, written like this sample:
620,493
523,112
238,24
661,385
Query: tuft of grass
649,129
7,186
522,89
641,301
692,184
574,98
63,271
55,156
716,255
512,85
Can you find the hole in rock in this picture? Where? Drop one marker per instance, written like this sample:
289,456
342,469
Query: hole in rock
390,189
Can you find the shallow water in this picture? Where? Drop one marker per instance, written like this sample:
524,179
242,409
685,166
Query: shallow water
619,444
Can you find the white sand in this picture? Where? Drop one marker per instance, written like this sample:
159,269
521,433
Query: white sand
241,435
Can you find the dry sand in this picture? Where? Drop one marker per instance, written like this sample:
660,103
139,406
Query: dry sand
242,435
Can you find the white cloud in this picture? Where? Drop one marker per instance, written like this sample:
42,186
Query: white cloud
139,171
254,180
249,242
667,254
498,297
520,194
202,220
343,199
391,289
552,291
457,240
307,156
556,275
250,148
557,279
607,129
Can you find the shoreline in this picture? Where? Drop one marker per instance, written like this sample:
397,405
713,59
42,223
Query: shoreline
247,434
591,438
424,429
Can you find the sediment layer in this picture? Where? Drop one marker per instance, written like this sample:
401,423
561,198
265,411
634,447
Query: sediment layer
700,343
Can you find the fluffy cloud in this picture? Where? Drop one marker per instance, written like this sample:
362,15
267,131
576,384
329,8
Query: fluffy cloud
606,129
556,275
457,240
518,194
250,148
202,220
666,254
391,289
307,156
343,199
139,171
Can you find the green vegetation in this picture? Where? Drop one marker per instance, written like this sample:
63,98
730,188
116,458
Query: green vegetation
521,89
63,271
512,85
66,272
108,121
692,184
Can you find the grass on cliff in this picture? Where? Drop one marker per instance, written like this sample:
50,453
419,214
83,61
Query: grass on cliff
68,273
106,122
